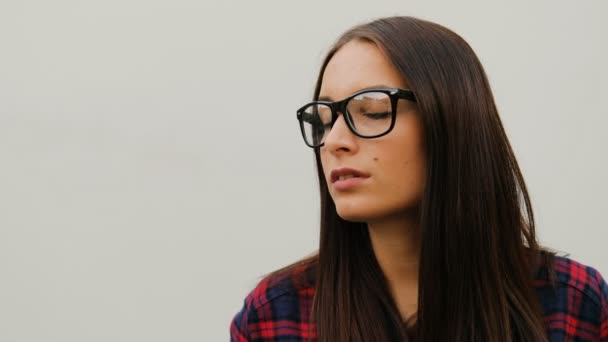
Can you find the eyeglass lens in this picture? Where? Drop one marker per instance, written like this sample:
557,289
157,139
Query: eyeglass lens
370,114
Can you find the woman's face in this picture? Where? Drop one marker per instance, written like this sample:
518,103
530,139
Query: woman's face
394,164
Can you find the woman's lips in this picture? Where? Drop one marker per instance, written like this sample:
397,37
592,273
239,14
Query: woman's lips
345,178
348,183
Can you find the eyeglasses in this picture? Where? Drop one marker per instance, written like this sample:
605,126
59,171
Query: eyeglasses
369,113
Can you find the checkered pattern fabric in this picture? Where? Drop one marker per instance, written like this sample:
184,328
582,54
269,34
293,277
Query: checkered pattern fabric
577,310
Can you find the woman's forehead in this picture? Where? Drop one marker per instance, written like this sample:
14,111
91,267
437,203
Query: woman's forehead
355,66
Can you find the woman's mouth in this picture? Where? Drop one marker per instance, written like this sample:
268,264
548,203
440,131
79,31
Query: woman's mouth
348,182
346,178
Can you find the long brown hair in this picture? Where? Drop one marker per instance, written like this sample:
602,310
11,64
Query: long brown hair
479,252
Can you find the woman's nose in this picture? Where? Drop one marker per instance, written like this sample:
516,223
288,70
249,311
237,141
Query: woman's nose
340,137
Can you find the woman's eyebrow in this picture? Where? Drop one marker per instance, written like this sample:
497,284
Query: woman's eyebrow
328,98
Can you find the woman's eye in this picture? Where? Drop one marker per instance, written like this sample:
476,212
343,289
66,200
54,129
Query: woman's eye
377,116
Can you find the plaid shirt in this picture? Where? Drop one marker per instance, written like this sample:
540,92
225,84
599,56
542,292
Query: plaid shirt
278,310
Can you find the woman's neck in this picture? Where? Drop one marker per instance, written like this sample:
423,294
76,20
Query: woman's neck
396,245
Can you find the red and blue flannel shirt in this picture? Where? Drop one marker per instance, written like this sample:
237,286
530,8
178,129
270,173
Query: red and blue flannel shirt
278,310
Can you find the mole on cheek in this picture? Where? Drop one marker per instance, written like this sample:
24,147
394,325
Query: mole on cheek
375,159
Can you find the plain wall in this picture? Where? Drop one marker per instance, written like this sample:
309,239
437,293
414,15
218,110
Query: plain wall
152,168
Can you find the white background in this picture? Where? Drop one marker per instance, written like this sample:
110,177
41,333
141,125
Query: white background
151,167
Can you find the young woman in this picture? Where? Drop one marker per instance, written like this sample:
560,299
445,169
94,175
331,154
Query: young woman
427,231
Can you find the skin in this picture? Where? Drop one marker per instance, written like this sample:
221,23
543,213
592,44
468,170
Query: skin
389,200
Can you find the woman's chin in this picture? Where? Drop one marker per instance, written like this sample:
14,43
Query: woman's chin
368,212
354,214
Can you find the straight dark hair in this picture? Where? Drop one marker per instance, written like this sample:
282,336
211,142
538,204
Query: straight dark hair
479,253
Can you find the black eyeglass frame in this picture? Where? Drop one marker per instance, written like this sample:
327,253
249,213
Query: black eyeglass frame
395,94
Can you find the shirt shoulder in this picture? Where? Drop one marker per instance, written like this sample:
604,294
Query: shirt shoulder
277,309
575,304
